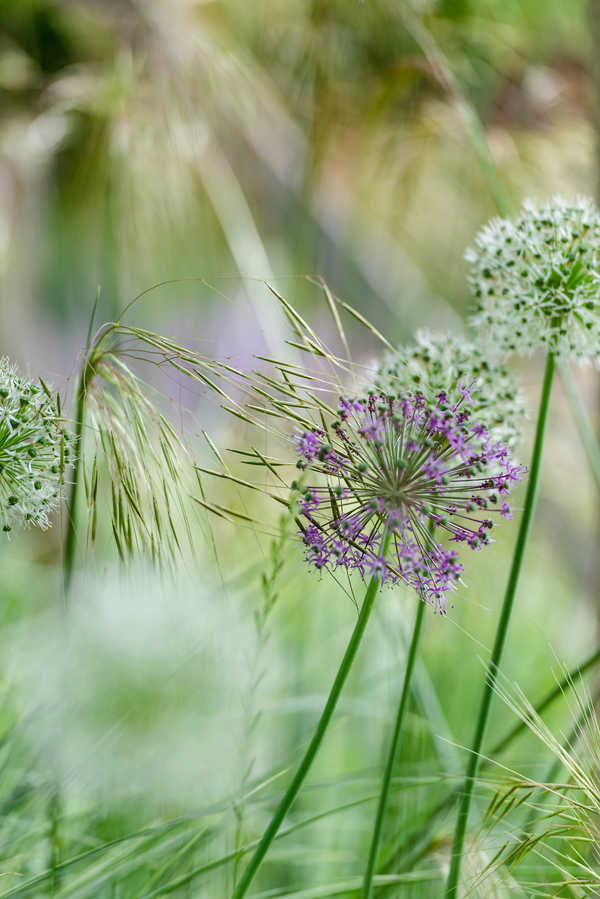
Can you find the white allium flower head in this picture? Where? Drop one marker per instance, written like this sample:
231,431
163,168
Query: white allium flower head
34,451
536,280
438,363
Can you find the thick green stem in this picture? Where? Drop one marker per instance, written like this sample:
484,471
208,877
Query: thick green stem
313,747
393,751
501,632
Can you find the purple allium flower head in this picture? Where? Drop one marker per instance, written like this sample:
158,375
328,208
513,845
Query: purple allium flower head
401,468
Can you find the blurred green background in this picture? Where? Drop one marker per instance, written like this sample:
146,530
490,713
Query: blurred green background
145,142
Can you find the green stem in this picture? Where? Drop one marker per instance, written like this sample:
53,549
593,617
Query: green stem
54,839
70,548
584,426
501,632
415,843
87,372
558,763
567,683
313,747
393,751
71,533
472,124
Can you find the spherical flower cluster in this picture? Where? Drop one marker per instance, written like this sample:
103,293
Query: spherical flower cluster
536,280
34,451
437,363
390,472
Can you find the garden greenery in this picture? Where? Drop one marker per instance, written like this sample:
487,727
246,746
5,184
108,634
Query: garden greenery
382,475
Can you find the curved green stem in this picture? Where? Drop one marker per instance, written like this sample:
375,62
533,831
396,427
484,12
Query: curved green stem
501,632
389,767
293,789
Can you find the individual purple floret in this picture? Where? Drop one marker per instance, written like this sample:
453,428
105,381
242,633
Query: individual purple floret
403,468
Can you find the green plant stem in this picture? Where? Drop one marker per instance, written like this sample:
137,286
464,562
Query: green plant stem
566,683
70,548
87,371
584,426
71,532
415,843
467,113
393,751
501,632
313,747
558,763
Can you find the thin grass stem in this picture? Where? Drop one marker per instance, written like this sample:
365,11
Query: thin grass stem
414,846
82,385
501,633
71,525
393,752
584,426
317,738
70,548
557,764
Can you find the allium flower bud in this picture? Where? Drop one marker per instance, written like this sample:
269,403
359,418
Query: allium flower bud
437,363
394,470
34,451
536,280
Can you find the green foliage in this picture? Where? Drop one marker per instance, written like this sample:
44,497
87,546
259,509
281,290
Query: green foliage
366,142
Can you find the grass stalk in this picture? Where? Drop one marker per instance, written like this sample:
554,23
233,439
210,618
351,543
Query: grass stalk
467,114
414,845
313,747
71,526
501,633
582,422
557,764
71,533
367,889
70,548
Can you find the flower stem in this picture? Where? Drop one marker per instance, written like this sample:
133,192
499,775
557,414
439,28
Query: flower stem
293,789
389,767
501,632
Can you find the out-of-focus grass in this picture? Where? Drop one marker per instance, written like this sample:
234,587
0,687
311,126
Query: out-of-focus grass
143,142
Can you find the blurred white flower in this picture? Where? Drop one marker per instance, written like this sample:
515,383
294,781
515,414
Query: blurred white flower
142,692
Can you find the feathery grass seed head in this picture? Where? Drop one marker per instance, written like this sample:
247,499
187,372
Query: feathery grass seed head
393,470
536,279
34,451
436,363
